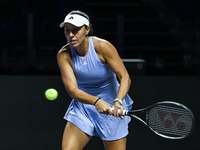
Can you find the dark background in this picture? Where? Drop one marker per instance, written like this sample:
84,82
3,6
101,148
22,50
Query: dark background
164,34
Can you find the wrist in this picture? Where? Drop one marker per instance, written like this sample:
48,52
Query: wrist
96,101
118,100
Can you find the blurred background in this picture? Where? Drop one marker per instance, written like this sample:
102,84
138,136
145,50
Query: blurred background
165,34
158,40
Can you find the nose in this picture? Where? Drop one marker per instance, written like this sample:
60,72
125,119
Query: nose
71,34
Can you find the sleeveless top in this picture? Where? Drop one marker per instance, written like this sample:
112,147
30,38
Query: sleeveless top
93,76
91,73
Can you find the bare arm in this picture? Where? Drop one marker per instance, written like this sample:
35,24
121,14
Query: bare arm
108,54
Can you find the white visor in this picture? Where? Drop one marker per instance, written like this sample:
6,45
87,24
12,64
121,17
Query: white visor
76,20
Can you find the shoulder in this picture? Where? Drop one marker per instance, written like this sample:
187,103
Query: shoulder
102,45
104,49
64,53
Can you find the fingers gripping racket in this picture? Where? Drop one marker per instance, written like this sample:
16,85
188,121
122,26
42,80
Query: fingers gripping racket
167,119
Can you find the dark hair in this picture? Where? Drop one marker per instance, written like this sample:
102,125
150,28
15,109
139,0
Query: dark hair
78,12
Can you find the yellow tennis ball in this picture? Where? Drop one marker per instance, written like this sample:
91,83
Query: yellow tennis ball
51,94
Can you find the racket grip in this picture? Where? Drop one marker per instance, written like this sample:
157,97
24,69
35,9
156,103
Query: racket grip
123,113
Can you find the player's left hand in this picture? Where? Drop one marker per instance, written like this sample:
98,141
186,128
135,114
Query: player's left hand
117,110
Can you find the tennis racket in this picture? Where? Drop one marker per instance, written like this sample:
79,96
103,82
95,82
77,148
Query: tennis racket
167,119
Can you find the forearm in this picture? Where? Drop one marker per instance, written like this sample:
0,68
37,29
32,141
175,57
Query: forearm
82,96
125,83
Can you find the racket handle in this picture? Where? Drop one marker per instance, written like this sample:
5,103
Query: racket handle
123,113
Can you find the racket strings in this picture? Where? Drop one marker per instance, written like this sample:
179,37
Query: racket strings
170,121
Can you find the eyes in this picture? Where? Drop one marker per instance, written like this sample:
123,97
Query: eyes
73,30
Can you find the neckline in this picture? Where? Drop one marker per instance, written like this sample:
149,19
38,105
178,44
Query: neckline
82,57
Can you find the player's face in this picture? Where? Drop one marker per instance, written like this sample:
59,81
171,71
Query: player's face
75,35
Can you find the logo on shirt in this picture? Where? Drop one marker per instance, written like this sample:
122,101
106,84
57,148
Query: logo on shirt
84,63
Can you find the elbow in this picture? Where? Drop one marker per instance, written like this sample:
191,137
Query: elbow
125,78
72,93
129,80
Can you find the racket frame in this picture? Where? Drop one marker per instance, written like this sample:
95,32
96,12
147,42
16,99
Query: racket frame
146,122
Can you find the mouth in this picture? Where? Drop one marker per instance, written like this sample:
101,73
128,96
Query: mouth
72,41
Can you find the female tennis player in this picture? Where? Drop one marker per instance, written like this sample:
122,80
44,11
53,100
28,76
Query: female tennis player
89,68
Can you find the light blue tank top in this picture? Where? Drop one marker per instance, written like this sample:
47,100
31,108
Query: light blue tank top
92,74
